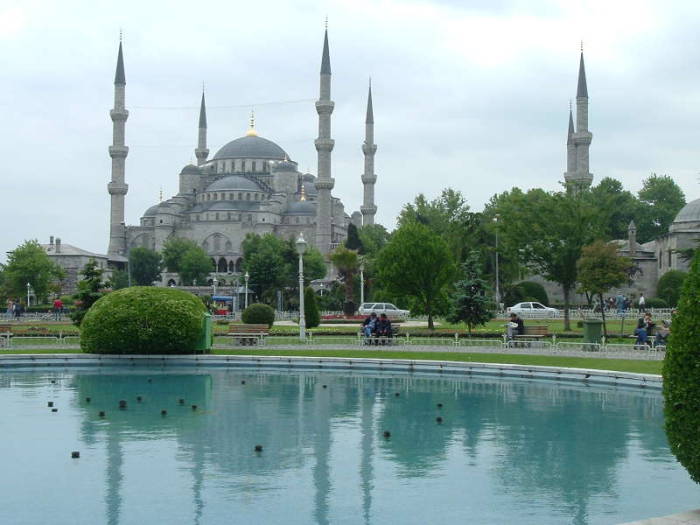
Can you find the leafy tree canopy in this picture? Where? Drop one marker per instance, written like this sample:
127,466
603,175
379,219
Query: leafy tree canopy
663,199
416,263
194,266
173,251
353,242
670,285
90,289
29,263
145,265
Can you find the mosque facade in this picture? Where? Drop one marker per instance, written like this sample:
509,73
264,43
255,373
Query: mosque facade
250,185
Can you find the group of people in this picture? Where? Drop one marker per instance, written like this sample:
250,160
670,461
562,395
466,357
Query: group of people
376,327
14,309
646,329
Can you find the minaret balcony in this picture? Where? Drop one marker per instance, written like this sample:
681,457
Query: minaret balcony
582,137
369,179
119,115
324,107
369,149
368,210
323,144
325,184
117,188
118,152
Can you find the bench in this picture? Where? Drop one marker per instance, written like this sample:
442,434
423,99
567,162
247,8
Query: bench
5,334
378,339
532,333
248,334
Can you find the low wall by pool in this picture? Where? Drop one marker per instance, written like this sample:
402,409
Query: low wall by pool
589,376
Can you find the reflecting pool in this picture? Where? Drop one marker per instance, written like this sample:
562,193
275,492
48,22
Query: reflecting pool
505,450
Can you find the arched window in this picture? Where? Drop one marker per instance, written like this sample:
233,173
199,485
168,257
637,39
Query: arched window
247,196
239,265
223,266
217,242
230,196
257,196
216,216
240,196
205,246
255,166
213,266
231,266
228,246
171,282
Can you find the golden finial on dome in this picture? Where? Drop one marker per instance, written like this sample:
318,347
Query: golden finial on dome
303,192
161,194
251,131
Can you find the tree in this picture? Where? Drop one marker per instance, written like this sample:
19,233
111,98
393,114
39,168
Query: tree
670,285
681,374
119,280
447,216
353,242
173,251
194,266
145,266
470,301
29,263
547,232
416,263
663,199
601,268
347,263
90,289
311,314
617,207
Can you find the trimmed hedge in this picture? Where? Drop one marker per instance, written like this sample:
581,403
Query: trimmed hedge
681,375
526,291
258,313
311,313
143,320
670,285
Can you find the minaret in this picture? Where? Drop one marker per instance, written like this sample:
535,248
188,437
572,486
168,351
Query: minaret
582,138
118,151
369,148
570,148
632,238
202,152
324,145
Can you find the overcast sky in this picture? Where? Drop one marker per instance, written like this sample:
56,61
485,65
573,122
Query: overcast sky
467,94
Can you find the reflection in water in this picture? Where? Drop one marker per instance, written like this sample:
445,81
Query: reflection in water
555,453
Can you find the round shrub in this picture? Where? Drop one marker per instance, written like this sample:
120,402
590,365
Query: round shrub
670,285
258,313
311,314
143,320
681,373
534,292
654,302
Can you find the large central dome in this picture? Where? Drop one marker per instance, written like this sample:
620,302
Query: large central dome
251,147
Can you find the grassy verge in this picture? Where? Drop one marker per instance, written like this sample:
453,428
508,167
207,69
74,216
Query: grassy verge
620,365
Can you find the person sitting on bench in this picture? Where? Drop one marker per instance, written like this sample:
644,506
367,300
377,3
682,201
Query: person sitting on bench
516,326
384,327
369,325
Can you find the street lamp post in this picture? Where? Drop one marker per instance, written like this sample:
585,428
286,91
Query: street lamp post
362,283
498,291
214,283
246,277
301,248
29,290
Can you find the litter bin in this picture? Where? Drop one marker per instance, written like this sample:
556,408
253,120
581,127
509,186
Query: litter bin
592,331
206,336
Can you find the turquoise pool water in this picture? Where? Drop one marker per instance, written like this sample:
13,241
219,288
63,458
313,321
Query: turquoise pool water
506,451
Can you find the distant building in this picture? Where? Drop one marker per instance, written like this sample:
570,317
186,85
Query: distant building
73,259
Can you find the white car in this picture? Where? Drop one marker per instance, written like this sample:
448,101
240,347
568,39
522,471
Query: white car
533,310
383,308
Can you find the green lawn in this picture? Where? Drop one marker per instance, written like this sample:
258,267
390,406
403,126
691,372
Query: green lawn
620,365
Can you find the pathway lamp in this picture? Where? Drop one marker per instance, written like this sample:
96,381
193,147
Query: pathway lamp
246,277
498,291
301,248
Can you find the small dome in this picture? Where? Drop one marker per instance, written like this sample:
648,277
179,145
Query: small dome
234,182
689,213
192,169
152,211
285,165
310,188
251,147
301,208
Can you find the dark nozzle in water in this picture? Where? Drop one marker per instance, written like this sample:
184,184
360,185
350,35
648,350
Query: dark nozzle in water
397,394
258,448
75,454
50,404
439,405
181,401
243,382
387,434
88,399
102,414
122,404
438,420
54,410
139,398
163,412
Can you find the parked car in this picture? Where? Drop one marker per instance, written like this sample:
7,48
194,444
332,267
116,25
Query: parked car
383,308
532,310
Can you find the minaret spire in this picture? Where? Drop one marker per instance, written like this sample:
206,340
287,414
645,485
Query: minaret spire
117,188
202,152
324,146
577,175
369,148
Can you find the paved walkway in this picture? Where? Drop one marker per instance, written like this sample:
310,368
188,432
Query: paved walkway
692,517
